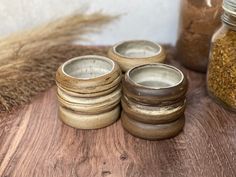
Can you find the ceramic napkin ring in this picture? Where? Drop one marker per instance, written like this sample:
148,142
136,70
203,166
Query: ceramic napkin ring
129,54
89,92
154,101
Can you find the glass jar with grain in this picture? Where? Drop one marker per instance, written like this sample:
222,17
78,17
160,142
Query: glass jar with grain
221,76
198,21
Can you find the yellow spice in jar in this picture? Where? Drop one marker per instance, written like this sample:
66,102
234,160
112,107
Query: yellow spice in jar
222,69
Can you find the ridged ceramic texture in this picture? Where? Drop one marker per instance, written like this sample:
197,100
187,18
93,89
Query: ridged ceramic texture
84,121
150,131
154,101
157,74
89,92
88,95
153,114
129,54
109,78
94,105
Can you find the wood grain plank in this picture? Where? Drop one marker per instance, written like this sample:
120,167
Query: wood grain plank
34,142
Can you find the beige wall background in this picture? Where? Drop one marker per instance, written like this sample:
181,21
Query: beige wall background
155,20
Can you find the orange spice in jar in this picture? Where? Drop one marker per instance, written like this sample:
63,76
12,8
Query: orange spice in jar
199,20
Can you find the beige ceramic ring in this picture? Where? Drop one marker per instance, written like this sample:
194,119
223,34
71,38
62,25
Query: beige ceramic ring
81,121
113,96
88,74
155,84
88,95
87,106
133,53
153,114
152,132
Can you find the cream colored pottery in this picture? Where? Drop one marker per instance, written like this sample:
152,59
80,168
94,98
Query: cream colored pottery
89,91
91,105
129,54
82,121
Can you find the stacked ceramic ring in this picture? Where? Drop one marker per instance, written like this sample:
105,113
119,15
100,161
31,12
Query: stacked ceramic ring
153,101
133,53
89,92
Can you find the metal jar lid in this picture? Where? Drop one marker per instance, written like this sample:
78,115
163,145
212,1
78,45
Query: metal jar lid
229,16
229,6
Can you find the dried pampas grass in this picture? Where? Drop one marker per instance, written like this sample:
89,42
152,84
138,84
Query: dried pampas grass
28,60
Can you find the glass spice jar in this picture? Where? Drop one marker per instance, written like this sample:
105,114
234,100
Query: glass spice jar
198,21
221,75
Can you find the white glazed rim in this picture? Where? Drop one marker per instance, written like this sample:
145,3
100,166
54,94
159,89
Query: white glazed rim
158,65
158,46
88,57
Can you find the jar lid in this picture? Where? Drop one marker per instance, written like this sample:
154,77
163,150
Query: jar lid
230,6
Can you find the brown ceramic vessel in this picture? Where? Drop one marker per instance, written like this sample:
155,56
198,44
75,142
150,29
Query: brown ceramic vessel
154,101
153,114
150,131
155,84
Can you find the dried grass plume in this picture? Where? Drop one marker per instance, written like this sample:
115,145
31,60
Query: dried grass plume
29,59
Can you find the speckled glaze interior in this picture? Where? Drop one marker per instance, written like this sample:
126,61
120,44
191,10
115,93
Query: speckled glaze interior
88,67
137,49
156,76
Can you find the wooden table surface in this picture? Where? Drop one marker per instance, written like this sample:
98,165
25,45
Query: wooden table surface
34,142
